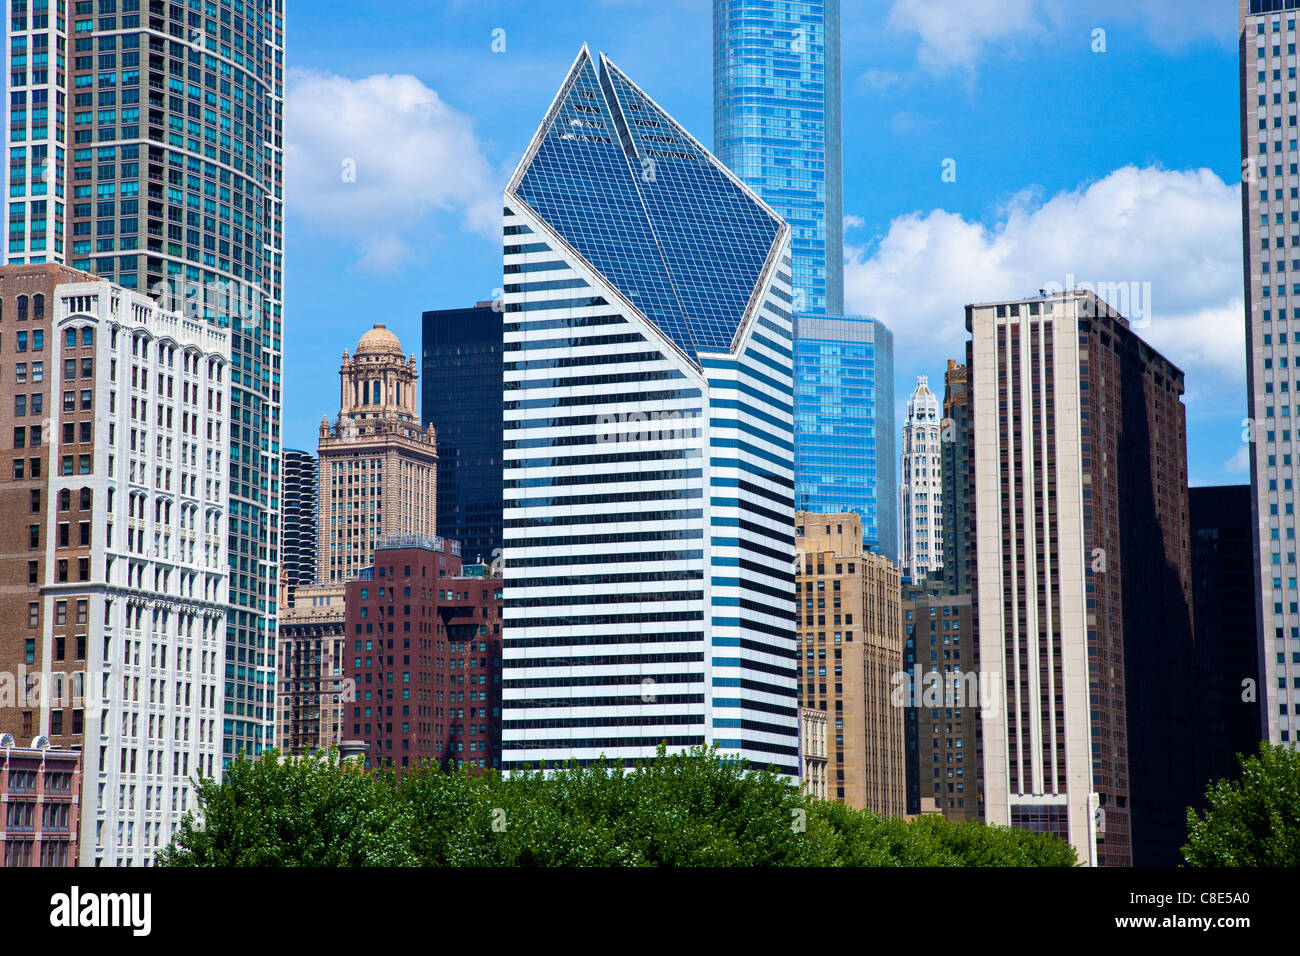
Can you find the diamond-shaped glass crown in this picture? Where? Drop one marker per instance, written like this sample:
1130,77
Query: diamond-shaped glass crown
648,207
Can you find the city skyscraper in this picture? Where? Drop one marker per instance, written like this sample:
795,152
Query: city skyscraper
922,485
956,467
441,702
298,519
1269,199
844,424
310,659
942,729
461,399
850,647
649,458
1223,606
776,125
378,467
1082,578
145,146
115,584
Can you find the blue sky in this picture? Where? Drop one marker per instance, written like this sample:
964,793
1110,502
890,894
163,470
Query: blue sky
1109,166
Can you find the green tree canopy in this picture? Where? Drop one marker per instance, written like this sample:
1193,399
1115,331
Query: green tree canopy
694,808
1251,821
295,812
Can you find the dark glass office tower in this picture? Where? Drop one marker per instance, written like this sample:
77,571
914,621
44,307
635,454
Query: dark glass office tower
461,395
1223,612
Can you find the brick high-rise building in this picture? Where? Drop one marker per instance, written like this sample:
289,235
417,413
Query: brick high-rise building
942,729
115,581
377,466
850,649
944,746
40,798
1082,577
956,471
26,371
145,146
423,645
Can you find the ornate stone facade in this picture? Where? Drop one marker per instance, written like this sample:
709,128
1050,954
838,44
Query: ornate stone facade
378,467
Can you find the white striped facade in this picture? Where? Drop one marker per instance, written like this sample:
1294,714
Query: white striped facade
648,520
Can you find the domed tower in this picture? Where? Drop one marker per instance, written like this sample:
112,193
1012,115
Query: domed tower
378,467
378,381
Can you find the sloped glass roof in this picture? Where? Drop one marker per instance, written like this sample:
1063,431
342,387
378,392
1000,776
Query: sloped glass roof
646,206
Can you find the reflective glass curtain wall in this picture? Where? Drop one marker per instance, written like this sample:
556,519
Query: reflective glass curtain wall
844,424
776,125
460,386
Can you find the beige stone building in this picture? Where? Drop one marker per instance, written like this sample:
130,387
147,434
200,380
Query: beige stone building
310,687
378,467
812,752
851,646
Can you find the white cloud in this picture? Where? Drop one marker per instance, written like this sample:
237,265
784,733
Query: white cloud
1239,462
879,79
851,221
906,121
1178,231
954,33
1169,23
386,255
371,157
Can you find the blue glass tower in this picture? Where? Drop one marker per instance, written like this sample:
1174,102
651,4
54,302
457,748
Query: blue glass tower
776,125
844,424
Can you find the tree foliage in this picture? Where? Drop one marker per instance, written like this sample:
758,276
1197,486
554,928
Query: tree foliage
695,808
306,812
1251,821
